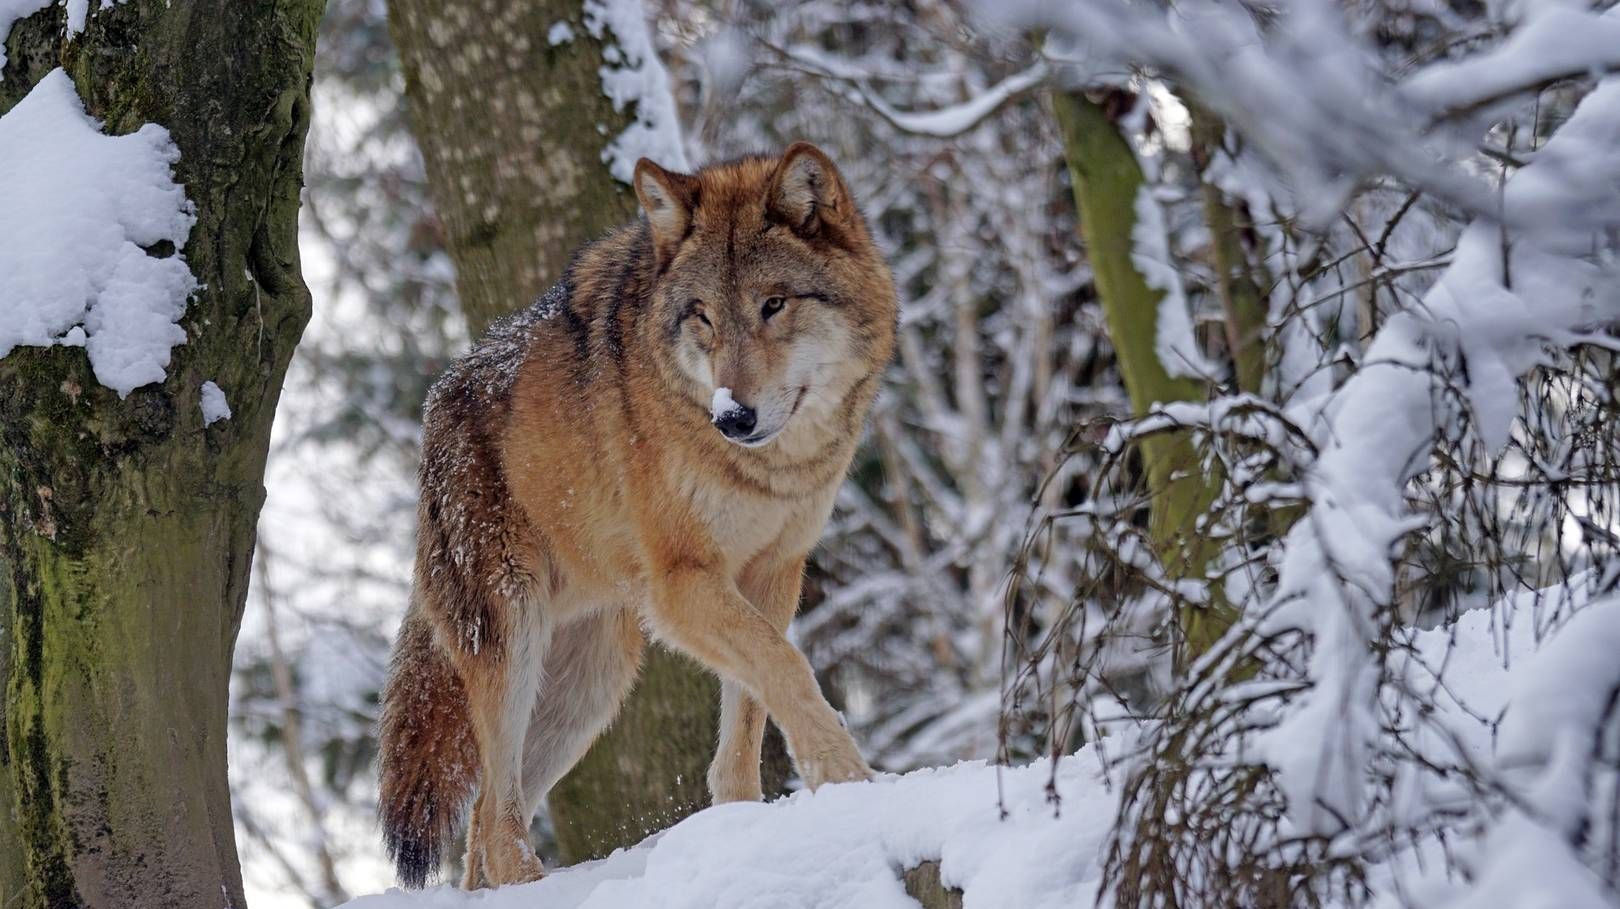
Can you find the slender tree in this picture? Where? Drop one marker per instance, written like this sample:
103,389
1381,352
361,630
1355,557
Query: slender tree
127,525
507,105
1107,178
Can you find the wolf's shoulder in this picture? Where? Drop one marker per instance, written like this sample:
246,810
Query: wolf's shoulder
482,378
557,326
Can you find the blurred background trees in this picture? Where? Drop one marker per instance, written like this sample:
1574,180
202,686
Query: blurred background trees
1134,281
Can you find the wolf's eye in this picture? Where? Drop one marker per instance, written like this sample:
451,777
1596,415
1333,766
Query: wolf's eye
773,305
695,308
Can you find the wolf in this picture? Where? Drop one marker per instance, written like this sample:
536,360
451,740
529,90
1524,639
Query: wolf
654,447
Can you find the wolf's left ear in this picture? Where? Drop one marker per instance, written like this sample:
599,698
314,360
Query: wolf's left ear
807,193
668,198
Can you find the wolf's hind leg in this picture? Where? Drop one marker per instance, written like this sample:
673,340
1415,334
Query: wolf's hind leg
589,669
472,874
500,692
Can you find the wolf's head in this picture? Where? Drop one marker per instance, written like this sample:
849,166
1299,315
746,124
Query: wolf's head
771,298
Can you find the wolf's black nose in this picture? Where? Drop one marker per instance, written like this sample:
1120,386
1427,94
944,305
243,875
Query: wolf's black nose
737,422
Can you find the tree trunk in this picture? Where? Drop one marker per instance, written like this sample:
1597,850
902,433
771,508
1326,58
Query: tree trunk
1106,179
126,526
512,130
648,771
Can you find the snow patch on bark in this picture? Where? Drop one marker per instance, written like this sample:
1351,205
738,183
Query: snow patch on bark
1174,339
82,210
214,405
79,10
11,11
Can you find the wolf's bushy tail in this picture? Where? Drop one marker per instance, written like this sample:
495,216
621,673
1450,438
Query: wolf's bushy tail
427,756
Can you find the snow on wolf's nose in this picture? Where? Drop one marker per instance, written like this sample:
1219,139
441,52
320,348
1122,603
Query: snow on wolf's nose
731,418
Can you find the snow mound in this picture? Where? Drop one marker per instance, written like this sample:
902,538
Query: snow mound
81,209
846,846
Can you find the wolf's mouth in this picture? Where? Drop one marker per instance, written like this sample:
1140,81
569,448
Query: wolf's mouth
761,438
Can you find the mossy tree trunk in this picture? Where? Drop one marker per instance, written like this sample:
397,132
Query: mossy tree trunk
127,526
512,130
1106,178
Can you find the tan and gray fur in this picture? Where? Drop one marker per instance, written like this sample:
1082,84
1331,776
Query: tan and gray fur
577,493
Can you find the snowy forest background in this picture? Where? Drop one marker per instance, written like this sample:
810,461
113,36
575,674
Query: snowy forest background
1253,431
1370,135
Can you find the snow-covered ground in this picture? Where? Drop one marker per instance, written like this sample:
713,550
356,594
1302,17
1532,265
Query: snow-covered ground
846,846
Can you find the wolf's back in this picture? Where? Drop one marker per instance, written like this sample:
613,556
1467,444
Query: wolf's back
428,758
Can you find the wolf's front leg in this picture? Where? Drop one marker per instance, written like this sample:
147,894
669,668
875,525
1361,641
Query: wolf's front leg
772,584
701,612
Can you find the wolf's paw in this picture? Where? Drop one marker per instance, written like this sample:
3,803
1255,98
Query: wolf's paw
522,868
843,765
510,859
732,784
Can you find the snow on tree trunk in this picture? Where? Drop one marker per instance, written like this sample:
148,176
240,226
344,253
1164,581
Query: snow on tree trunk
127,524
510,113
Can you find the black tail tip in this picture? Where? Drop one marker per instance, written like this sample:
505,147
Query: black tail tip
415,855
415,859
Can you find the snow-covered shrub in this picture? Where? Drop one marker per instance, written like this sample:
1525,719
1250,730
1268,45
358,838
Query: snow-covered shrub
1436,198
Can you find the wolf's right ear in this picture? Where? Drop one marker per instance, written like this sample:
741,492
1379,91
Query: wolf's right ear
668,199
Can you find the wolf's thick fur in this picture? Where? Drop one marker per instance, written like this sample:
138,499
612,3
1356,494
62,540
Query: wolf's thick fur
576,488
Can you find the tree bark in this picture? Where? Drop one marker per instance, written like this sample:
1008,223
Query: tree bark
1106,179
127,526
512,131
923,884
647,772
